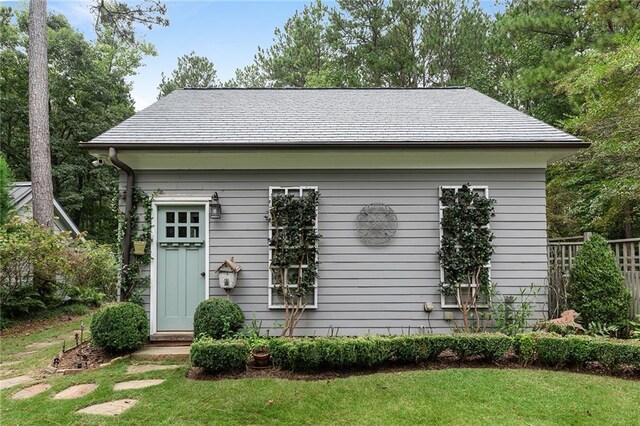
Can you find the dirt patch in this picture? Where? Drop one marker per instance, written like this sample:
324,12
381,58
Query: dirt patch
444,362
25,328
85,356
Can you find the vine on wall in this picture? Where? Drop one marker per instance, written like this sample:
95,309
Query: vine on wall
132,281
466,248
294,243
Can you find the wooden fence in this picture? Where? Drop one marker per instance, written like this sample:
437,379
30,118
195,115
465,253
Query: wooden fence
561,255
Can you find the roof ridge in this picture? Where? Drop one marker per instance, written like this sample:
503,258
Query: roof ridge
327,88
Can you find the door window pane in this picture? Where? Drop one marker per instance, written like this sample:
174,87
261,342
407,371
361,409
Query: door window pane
182,232
171,232
171,217
195,232
195,217
182,217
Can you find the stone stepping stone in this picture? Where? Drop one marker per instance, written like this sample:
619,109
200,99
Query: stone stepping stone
14,381
77,391
6,372
32,391
145,368
41,345
8,363
137,384
111,408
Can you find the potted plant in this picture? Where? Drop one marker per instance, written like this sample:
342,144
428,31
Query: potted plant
260,352
139,247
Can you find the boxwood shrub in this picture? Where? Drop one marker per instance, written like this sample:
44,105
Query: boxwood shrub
334,353
120,327
217,318
219,355
557,351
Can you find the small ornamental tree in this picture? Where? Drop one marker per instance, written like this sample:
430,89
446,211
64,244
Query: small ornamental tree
596,287
466,248
294,248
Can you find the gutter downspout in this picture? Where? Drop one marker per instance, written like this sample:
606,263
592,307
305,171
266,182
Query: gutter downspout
128,203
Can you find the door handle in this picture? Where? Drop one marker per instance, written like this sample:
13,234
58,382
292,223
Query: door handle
202,274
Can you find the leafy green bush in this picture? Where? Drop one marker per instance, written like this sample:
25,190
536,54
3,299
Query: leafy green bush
596,287
120,327
219,355
335,353
68,268
217,318
488,346
554,351
524,346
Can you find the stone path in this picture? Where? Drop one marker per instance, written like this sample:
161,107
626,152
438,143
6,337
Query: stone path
137,384
25,353
8,363
7,372
145,368
76,391
14,381
111,408
32,391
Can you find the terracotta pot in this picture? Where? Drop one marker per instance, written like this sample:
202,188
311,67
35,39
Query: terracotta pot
261,359
139,247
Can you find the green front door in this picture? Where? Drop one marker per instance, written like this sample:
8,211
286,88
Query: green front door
181,265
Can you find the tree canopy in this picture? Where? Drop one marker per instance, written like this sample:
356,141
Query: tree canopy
192,71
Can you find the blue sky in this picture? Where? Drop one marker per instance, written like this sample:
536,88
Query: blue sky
226,32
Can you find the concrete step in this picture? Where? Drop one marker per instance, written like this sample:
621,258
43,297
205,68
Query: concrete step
170,336
162,353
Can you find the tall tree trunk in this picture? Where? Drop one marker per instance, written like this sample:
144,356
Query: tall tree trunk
41,183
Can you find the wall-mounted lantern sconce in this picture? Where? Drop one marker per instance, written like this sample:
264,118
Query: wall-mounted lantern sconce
215,209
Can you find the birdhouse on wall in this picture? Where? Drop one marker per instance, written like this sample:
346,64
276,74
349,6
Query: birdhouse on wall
228,274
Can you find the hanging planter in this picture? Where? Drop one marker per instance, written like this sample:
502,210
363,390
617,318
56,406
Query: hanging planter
139,247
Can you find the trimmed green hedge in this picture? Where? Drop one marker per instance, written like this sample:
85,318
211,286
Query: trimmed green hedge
219,355
218,318
556,351
120,327
365,352
331,353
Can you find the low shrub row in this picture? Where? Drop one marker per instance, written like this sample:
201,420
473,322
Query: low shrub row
556,351
331,353
338,353
219,355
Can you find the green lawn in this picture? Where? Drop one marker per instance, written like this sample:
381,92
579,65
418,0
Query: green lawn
454,396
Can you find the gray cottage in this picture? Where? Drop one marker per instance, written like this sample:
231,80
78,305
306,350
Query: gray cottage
379,157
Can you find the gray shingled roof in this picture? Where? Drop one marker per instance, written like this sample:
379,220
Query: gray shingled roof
292,117
21,194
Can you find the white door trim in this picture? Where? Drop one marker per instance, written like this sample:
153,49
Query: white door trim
153,268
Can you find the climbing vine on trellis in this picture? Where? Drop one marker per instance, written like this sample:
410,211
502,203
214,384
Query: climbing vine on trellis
132,281
466,248
294,247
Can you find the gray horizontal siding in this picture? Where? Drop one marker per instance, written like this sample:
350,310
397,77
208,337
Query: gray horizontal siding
362,288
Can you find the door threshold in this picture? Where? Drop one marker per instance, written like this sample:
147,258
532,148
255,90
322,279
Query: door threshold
172,336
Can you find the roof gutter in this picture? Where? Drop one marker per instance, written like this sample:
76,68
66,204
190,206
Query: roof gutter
128,204
336,145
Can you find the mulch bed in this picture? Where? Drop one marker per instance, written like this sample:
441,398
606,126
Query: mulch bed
90,356
445,361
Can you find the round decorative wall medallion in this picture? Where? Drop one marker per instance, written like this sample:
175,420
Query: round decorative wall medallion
376,224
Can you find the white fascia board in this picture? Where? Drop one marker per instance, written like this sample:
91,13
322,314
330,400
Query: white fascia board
340,159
